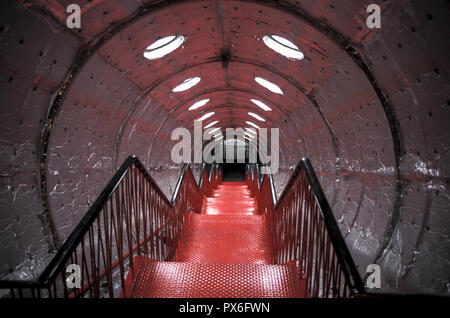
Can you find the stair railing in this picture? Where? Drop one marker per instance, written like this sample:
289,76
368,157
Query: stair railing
131,217
304,231
211,177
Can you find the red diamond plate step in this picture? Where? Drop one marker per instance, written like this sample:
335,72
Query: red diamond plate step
231,198
223,252
225,239
195,280
233,207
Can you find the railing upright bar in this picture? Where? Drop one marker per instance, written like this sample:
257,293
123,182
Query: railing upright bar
180,181
119,233
272,189
70,244
345,259
303,228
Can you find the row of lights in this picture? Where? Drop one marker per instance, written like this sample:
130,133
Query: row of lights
168,44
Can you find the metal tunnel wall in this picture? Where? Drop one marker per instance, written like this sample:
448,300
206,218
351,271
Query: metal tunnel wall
369,107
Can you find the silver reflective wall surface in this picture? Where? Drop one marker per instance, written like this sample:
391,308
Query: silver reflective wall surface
369,107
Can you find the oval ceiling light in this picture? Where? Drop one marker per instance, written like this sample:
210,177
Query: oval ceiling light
269,85
213,130
250,140
261,105
283,47
252,124
249,135
250,130
163,46
199,104
256,116
206,116
188,83
211,124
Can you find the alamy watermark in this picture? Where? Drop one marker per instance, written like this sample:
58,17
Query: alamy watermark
73,276
373,21
213,150
74,18
374,279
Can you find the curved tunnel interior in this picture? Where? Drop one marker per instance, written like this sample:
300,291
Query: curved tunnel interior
368,107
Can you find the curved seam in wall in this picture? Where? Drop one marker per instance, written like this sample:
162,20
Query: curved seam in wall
132,110
398,152
45,218
86,51
174,109
224,89
389,111
426,216
335,143
216,108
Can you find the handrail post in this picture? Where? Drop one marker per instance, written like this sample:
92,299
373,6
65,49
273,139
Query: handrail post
200,182
272,189
258,176
309,184
345,259
210,172
179,182
56,267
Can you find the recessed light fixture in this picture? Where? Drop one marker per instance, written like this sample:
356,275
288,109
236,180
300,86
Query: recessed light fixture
213,130
211,124
269,85
188,83
206,116
249,135
252,124
261,105
256,116
163,46
249,138
199,104
251,131
283,46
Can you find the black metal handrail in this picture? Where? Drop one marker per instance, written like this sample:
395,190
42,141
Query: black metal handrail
63,254
178,186
348,266
200,182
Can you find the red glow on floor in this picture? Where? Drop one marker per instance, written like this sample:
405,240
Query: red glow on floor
225,239
231,198
223,252
197,280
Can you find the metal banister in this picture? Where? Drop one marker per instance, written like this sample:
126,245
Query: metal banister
347,265
178,186
351,273
56,266
63,254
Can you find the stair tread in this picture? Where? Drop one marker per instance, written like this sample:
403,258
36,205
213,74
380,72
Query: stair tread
230,199
223,252
203,280
225,239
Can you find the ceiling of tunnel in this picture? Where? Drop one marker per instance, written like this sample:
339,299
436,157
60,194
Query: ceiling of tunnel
231,31
216,30
358,105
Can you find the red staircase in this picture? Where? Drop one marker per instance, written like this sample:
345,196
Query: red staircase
223,252
241,241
